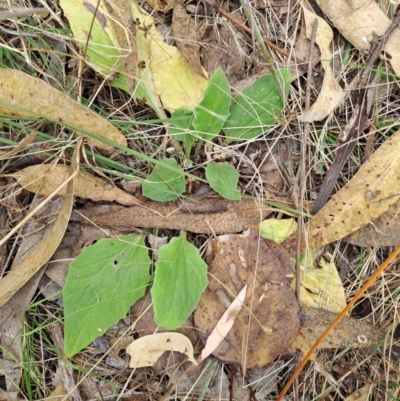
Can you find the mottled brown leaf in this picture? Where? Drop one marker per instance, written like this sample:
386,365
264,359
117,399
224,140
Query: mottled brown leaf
238,216
269,319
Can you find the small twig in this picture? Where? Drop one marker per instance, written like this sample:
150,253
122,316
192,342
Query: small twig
338,318
239,24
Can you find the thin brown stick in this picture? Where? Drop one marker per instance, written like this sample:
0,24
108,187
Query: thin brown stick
338,318
221,11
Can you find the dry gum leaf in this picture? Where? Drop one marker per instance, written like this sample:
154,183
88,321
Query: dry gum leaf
30,97
383,231
358,21
45,178
237,217
146,350
269,320
331,92
369,194
43,251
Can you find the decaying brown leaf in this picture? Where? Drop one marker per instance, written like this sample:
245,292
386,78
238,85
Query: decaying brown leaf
349,333
368,195
358,21
43,179
331,92
269,319
383,231
237,217
31,97
187,34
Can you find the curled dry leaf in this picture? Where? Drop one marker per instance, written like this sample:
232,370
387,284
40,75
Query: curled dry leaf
368,195
331,92
269,320
46,178
358,21
25,96
146,350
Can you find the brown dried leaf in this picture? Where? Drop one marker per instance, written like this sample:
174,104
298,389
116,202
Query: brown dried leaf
358,21
383,231
238,217
349,333
367,196
26,96
331,92
163,5
45,178
269,320
187,33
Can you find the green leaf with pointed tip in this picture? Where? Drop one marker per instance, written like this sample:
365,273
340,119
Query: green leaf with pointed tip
210,115
164,184
180,278
181,126
258,107
223,178
103,282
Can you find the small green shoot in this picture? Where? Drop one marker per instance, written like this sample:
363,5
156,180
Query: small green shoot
180,278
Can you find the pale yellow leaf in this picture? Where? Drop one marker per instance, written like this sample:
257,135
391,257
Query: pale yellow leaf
370,193
43,179
146,350
331,93
224,325
358,21
25,96
171,78
321,286
44,249
278,230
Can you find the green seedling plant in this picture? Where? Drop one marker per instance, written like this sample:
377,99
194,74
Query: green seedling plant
107,278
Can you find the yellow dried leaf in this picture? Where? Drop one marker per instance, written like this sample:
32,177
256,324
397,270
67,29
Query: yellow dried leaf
321,286
370,193
45,178
172,79
25,96
44,249
358,21
146,350
278,230
331,92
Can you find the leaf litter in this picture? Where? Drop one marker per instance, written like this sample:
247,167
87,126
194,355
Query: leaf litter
318,319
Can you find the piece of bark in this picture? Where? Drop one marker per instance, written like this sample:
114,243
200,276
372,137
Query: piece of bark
238,216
